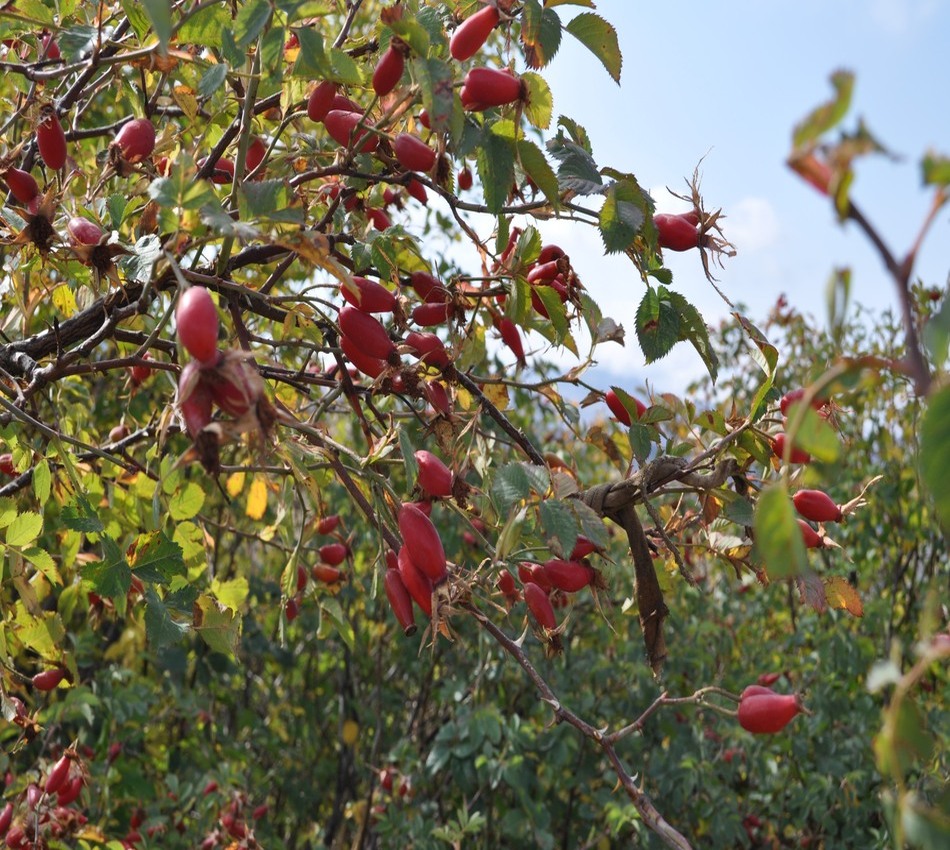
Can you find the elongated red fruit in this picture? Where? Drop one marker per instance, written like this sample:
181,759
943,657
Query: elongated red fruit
539,604
583,547
429,315
468,39
388,70
506,583
809,535
765,714
327,574
370,334
372,367
797,455
6,818
50,139
320,101
422,542
223,171
342,125
569,576
136,139
817,506
676,232
82,231
512,338
417,582
428,348
400,601
484,88
48,679
530,571
22,184
256,151
328,524
197,320
70,792
793,396
334,554
417,191
413,153
434,476
617,408
369,296
437,396
57,776
428,287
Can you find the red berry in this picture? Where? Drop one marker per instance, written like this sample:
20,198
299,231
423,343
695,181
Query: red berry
388,70
468,39
372,367
817,506
512,338
569,576
428,287
465,179
197,320
539,604
334,554
328,524
506,583
370,334
6,818
48,679
369,296
530,571
118,432
676,232
424,119
417,191
401,603
136,139
50,139
809,535
256,151
380,220
416,582
428,348
413,153
429,315
326,574
70,792
797,455
422,542
582,548
57,776
82,231
22,184
321,100
434,476
6,464
549,253
342,127
766,713
437,396
140,372
49,48
617,407
767,679
194,399
793,396
223,171
487,87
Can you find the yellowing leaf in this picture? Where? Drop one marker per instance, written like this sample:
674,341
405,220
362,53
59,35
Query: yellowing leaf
186,502
235,483
840,594
497,394
64,300
231,593
351,732
256,499
24,529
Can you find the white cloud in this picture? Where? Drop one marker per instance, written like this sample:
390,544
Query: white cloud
900,16
751,225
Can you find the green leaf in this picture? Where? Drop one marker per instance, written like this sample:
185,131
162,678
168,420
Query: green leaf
145,253
331,614
186,502
600,38
558,523
935,452
622,216
557,314
540,34
160,14
180,189
577,133
496,170
589,4
42,633
217,219
212,79
161,630
206,26
344,68
36,11
766,355
24,529
408,456
577,171
826,116
232,593
157,558
218,625
251,19
511,485
76,43
311,62
658,324
641,439
592,526
693,329
814,435
436,80
778,538
42,481
43,561
116,206
935,169
270,199
936,334
413,33
110,577
739,510
81,517
540,104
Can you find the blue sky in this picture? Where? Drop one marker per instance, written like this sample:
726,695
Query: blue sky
728,81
